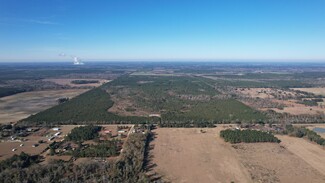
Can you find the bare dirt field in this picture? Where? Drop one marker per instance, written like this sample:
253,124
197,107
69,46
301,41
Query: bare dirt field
270,163
19,106
312,153
187,155
67,82
317,91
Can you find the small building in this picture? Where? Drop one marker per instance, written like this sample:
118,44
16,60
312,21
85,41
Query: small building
56,129
122,131
57,133
32,129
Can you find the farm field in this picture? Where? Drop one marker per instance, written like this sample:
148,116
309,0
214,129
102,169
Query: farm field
68,82
187,155
311,153
19,106
184,155
294,102
295,108
271,163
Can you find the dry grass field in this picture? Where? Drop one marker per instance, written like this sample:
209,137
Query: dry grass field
19,106
271,163
67,82
188,155
279,96
311,153
297,109
316,91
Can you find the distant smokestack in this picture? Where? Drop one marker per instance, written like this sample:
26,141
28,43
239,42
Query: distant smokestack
76,61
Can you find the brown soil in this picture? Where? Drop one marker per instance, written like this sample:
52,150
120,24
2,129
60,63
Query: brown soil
311,153
187,155
270,163
19,106
67,82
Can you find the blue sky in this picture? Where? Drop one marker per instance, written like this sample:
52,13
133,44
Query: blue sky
162,29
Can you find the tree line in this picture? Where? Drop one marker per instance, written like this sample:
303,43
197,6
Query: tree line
247,136
301,132
83,133
103,149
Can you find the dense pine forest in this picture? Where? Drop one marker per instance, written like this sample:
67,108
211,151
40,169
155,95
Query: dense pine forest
181,101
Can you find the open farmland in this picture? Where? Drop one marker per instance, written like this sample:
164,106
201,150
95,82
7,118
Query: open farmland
311,153
185,155
271,163
68,82
19,106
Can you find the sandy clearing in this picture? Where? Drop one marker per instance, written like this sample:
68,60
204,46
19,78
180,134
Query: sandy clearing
313,154
67,81
19,106
187,155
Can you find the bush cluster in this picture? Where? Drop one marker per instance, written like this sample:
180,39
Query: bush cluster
247,136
